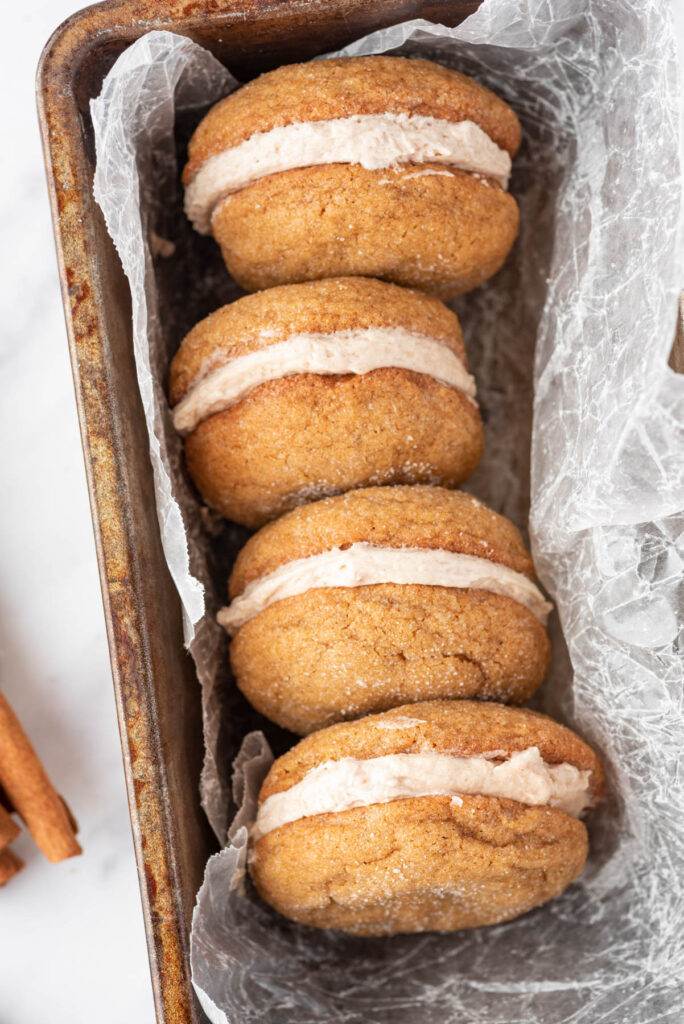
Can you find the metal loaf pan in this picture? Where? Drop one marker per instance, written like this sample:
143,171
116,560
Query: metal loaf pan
157,695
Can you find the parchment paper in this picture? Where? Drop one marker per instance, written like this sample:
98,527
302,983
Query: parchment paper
569,344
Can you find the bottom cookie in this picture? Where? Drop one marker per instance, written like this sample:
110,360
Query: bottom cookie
435,816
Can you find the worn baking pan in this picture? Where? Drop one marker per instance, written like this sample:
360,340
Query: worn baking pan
157,696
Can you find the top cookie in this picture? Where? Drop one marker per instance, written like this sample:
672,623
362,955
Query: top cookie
314,307
401,516
346,86
460,728
368,166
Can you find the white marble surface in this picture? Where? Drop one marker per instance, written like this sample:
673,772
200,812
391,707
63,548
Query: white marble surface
71,935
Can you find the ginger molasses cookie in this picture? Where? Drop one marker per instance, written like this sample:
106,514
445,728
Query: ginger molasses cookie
381,597
312,389
431,817
378,166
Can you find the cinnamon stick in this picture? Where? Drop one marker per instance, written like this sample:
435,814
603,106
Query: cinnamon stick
9,830
10,864
30,791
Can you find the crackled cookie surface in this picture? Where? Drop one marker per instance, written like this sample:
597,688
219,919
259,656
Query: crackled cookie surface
379,166
433,816
383,596
307,390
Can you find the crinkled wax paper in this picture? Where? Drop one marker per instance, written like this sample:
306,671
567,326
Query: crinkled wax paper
569,344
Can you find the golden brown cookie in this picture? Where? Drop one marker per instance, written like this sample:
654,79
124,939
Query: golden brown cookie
378,166
445,232
307,390
433,816
384,596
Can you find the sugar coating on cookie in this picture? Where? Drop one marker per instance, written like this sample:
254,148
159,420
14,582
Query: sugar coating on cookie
383,596
307,390
439,815
323,169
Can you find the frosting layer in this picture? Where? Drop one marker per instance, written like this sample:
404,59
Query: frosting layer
365,564
336,786
351,351
372,140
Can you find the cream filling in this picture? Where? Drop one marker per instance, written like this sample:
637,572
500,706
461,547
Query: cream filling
364,564
372,140
351,351
336,786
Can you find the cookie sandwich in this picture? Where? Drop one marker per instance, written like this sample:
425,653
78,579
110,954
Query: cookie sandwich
431,817
378,166
312,389
384,596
